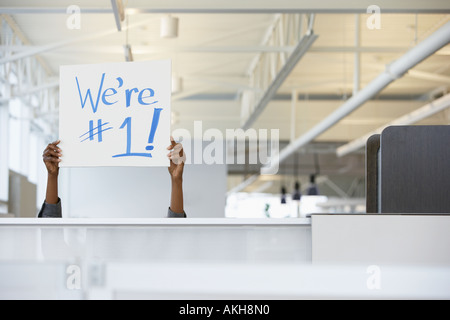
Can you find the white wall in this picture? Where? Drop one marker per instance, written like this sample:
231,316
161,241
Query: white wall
132,192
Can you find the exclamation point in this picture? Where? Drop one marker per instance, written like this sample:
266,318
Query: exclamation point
155,121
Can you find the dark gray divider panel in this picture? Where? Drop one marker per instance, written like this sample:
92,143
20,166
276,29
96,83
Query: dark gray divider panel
415,169
372,147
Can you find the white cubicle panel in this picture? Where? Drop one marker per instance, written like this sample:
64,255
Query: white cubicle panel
220,258
251,281
94,279
115,192
39,258
32,280
156,240
381,239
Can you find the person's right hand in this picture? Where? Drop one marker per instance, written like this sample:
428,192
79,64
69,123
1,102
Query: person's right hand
177,158
51,157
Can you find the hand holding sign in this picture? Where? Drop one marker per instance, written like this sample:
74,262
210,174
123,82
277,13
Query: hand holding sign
50,156
177,159
52,204
117,113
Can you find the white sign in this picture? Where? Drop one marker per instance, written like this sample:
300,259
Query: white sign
115,114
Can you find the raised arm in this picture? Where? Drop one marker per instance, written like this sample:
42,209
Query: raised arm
177,159
52,203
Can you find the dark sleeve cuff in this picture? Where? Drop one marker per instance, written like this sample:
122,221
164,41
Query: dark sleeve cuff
50,210
171,214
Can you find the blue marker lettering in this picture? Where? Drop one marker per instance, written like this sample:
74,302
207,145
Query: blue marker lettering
141,97
155,121
128,153
88,94
128,93
107,95
91,133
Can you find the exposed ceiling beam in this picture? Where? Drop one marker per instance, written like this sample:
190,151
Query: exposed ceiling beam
220,82
357,56
253,6
424,112
258,103
290,64
393,71
423,75
25,41
29,91
429,76
214,49
267,34
219,38
212,95
59,44
188,93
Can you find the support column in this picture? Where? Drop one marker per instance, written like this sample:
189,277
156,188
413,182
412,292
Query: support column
4,151
357,56
294,99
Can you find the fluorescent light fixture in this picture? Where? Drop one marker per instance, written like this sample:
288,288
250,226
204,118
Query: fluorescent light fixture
177,84
169,27
119,13
410,118
128,53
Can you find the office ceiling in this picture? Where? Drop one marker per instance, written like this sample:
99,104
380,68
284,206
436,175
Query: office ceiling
219,40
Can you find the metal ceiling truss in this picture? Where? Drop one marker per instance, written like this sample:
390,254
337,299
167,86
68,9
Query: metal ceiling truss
395,70
27,79
268,70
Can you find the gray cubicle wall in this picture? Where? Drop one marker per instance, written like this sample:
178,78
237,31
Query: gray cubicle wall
22,196
372,178
415,169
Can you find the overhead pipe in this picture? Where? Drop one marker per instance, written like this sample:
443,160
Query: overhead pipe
393,71
424,112
119,13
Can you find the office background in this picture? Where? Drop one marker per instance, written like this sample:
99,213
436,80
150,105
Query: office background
317,79
288,66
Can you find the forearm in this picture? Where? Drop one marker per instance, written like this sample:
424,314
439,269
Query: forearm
176,200
52,189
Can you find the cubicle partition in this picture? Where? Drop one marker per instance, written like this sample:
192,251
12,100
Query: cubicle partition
323,257
45,257
408,170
